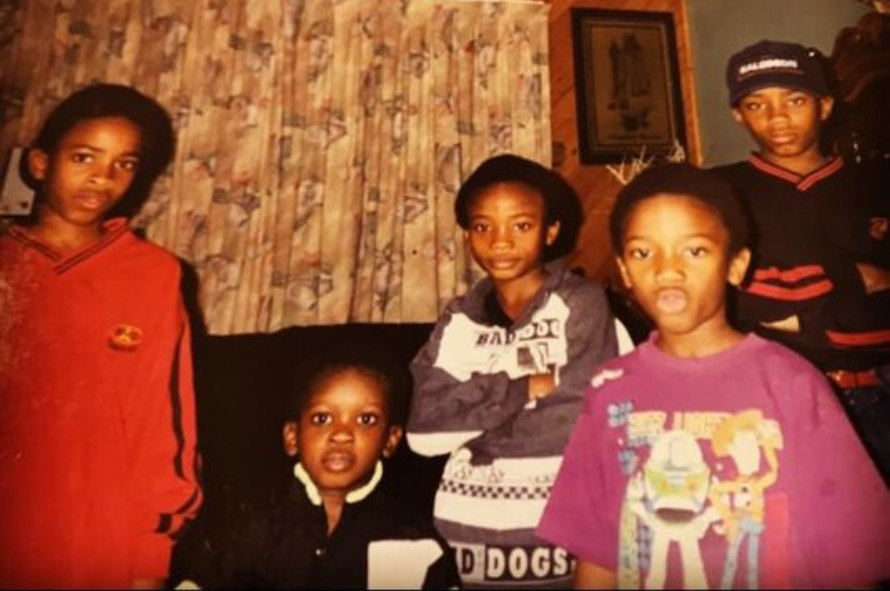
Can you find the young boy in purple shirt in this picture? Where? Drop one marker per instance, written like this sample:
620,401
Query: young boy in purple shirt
708,457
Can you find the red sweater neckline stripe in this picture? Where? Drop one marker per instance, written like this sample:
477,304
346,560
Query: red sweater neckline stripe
114,228
801,182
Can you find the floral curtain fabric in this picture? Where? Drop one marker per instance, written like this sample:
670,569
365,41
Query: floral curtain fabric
320,142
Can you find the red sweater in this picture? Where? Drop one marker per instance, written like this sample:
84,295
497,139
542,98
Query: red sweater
97,423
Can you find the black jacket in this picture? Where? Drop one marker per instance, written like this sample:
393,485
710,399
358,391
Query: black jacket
810,231
283,543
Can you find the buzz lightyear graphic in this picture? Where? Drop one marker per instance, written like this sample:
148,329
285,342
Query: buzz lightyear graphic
669,497
674,498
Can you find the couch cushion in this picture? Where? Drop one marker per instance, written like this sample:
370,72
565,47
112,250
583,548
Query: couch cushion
243,384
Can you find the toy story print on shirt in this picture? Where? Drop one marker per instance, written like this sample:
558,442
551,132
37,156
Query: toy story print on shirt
698,493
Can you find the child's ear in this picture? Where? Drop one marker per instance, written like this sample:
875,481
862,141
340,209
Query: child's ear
392,441
552,233
826,105
38,163
625,277
737,115
289,438
738,266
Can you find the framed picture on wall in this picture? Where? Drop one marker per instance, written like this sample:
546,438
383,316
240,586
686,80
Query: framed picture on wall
627,84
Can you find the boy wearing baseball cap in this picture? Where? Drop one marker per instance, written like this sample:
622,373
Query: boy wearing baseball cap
769,74
819,281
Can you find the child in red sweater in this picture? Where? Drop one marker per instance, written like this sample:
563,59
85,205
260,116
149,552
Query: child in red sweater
99,462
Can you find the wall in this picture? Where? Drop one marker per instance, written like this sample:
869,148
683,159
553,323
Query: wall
708,32
718,28
596,186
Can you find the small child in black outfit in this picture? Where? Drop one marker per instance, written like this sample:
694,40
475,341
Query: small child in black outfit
334,527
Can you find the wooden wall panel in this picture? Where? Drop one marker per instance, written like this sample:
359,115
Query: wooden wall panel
597,187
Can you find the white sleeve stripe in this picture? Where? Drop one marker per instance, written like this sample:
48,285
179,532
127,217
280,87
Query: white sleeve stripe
436,444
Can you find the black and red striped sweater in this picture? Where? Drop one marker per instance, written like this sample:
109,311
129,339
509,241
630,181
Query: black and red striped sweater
810,233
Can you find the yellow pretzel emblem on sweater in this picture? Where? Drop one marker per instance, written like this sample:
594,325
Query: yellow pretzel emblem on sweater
125,337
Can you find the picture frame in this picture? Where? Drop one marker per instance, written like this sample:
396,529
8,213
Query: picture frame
629,99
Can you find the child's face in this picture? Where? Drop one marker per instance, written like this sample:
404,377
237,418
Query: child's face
784,122
676,260
507,231
89,172
342,431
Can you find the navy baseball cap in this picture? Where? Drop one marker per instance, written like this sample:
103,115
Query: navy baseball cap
775,63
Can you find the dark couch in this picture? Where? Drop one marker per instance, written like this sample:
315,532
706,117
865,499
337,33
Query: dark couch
242,385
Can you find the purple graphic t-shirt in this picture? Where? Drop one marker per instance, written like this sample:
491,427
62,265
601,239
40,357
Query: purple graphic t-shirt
738,469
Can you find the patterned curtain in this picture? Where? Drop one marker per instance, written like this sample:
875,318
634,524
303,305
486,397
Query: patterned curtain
320,142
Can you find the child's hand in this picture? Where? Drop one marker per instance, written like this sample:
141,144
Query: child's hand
875,278
540,385
790,324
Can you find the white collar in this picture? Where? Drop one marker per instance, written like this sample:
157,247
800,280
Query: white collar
353,496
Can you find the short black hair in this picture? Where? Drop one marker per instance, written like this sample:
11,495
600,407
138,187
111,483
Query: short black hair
687,180
372,362
561,202
112,100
